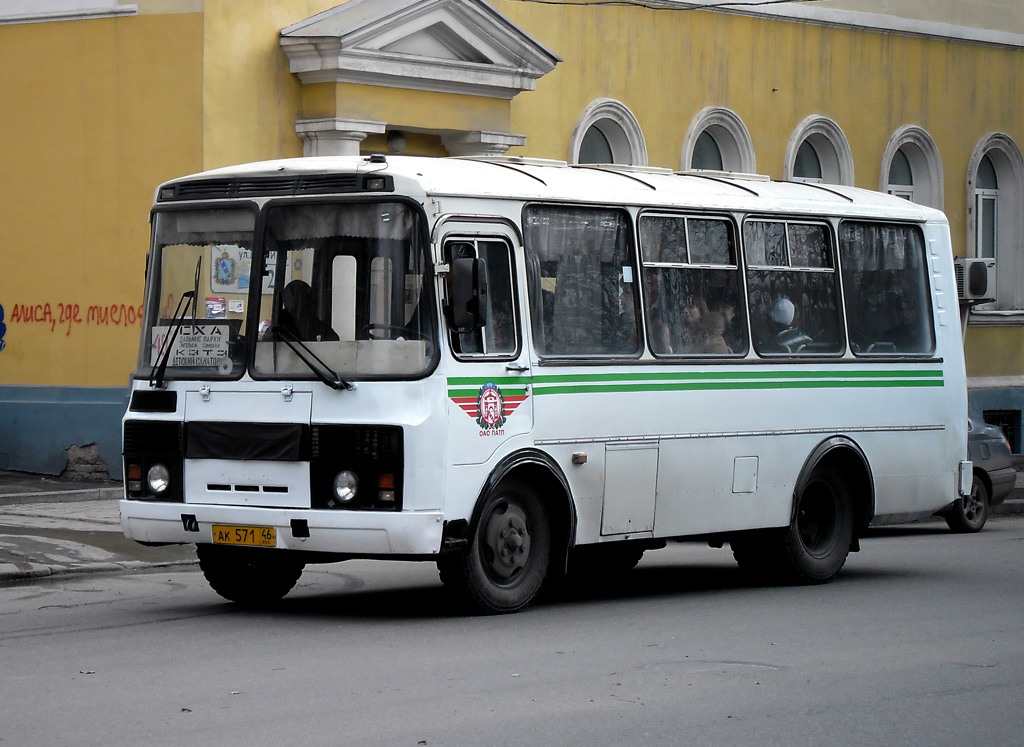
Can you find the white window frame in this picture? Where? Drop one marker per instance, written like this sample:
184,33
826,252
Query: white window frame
1006,158
619,127
831,146
925,164
729,133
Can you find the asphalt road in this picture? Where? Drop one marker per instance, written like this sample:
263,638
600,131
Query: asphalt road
918,642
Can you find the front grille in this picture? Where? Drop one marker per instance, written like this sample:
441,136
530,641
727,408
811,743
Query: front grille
152,436
280,442
154,400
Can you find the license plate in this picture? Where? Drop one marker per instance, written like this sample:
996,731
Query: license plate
251,536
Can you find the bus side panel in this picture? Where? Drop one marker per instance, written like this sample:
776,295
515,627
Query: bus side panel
721,484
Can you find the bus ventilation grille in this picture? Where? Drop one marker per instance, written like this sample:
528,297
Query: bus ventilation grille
221,189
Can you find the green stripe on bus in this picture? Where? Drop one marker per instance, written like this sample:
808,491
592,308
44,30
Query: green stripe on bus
718,375
478,381
570,388
506,391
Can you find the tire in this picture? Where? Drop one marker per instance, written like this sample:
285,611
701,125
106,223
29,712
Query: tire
814,547
507,559
970,513
249,576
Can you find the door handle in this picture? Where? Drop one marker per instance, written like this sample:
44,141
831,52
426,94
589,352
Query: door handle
513,368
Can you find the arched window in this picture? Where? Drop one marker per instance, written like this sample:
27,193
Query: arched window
706,154
607,132
717,140
986,205
901,177
911,167
995,215
595,147
807,167
818,152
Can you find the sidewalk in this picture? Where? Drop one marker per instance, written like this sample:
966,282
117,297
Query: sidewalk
51,527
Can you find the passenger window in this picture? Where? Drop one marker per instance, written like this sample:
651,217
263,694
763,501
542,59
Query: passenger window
580,270
792,287
498,336
885,281
693,294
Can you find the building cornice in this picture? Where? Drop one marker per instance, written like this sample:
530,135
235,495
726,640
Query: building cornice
861,21
75,15
451,46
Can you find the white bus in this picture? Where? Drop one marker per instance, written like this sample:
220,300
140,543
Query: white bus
523,370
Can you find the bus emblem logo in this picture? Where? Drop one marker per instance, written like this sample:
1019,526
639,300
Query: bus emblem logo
490,407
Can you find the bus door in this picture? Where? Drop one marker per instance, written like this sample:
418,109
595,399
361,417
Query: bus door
489,384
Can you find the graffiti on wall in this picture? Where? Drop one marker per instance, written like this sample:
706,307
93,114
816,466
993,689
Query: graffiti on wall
67,317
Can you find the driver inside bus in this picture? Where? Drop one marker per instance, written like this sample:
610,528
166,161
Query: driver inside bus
298,313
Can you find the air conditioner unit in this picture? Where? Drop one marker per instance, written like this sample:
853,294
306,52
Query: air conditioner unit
975,279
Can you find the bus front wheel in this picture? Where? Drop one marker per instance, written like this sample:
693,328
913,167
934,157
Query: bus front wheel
249,576
509,548
815,545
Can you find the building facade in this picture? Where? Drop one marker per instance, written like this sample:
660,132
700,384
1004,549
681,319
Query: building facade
103,100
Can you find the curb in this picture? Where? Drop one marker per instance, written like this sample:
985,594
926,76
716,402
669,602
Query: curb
7,574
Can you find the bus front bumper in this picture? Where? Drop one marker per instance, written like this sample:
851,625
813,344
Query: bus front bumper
354,533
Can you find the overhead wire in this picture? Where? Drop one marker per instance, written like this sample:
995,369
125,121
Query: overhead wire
672,4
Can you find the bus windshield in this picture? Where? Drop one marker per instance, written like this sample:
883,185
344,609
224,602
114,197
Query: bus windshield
340,293
348,292
198,284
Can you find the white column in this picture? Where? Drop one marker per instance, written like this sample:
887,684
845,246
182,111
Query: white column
331,136
480,143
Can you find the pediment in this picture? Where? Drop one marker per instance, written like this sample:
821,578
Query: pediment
461,46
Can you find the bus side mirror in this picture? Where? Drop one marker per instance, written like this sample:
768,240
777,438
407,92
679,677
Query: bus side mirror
467,308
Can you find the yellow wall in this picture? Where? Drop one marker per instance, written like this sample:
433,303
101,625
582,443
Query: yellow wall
994,351
106,109
772,74
95,114
250,99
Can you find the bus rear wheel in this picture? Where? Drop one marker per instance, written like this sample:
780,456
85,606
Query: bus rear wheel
249,576
814,547
507,560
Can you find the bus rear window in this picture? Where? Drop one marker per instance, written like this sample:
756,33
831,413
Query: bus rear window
885,281
794,294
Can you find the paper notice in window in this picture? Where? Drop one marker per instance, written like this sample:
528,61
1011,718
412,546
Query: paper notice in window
196,345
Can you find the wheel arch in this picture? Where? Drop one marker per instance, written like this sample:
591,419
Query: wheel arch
848,459
539,470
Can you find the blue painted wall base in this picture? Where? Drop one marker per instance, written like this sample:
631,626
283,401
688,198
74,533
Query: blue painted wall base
39,423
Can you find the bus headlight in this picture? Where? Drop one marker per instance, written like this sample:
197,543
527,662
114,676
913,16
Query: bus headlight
159,479
345,486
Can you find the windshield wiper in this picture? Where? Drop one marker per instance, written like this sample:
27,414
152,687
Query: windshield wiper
156,380
298,347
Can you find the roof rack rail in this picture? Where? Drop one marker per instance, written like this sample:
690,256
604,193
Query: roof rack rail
715,174
515,160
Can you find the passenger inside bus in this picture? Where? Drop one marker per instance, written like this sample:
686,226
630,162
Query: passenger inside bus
704,328
789,338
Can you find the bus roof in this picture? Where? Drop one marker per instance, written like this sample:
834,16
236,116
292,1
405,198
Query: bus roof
535,179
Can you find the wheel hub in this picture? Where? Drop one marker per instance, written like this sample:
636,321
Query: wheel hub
507,541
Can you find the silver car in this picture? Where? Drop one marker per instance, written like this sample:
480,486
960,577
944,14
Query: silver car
994,477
